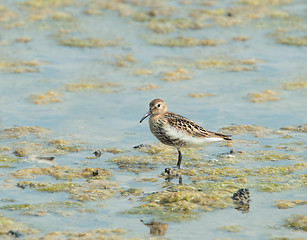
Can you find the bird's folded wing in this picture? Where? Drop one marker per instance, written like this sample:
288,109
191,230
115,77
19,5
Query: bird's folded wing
181,123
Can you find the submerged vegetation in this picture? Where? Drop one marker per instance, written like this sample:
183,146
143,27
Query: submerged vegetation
182,41
265,96
180,205
19,66
297,222
88,42
292,40
48,97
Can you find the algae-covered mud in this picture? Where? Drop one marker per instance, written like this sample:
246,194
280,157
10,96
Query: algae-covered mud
76,76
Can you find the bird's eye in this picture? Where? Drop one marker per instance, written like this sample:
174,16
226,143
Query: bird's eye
158,105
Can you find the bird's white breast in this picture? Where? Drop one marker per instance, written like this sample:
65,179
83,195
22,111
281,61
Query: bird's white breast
190,141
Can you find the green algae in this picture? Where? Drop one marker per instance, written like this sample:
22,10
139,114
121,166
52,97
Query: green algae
132,192
301,83
285,204
46,98
166,25
122,8
157,154
114,234
201,95
280,170
19,66
7,224
233,228
51,147
286,238
89,42
222,188
33,140
148,87
135,163
59,15
269,179
296,128
25,150
225,171
161,27
274,187
5,148
146,180
90,190
5,160
293,147
94,190
48,205
6,166
18,132
257,131
37,213
64,173
125,60
47,4
234,65
293,40
112,150
160,213
182,41
142,71
14,207
264,155
177,75
216,62
6,14
48,187
62,204
66,145
261,97
278,183
87,210
57,187
43,209
179,206
161,150
264,2
158,148
297,222
266,179
90,85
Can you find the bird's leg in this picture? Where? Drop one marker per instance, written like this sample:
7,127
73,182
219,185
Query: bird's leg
179,158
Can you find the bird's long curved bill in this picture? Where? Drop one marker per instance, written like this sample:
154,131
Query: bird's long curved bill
145,116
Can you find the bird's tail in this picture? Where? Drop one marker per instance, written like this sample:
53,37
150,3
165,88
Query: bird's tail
225,137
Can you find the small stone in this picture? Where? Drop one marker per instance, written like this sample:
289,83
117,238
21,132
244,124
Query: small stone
97,153
96,172
15,234
232,151
242,196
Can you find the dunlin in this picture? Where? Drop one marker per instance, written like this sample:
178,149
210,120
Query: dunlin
177,131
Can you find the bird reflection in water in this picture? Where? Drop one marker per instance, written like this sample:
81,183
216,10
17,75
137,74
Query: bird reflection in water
170,173
156,228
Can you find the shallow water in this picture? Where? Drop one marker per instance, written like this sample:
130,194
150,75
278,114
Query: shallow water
108,116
